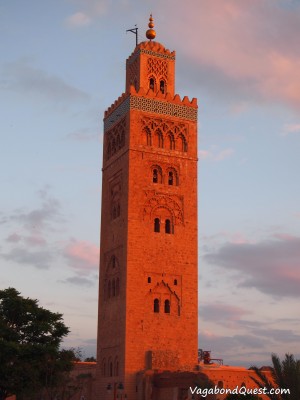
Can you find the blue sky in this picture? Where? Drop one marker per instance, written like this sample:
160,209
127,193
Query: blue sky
63,63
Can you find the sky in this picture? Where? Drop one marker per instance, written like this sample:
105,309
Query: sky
62,64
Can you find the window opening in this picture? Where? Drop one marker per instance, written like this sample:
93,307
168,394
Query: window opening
170,178
162,86
167,306
156,225
149,279
109,289
156,305
155,176
151,83
103,368
111,369
117,287
175,282
168,226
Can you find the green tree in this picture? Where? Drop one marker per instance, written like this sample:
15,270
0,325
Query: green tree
30,358
285,375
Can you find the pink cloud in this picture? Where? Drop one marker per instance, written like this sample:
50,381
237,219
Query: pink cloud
14,238
82,256
215,155
222,312
290,128
271,266
250,45
35,240
78,19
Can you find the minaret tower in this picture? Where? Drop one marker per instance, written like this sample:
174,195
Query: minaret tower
148,260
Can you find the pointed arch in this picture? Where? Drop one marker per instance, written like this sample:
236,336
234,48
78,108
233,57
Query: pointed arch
181,143
156,174
170,142
158,140
156,305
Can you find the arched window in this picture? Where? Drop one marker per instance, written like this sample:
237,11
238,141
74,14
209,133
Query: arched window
175,282
111,369
158,139
170,142
149,279
117,287
155,176
168,226
167,306
108,150
116,372
103,369
151,83
113,287
162,86
156,306
109,290
182,144
156,225
170,178
149,142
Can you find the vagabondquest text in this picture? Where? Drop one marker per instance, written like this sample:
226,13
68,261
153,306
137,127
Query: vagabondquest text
237,390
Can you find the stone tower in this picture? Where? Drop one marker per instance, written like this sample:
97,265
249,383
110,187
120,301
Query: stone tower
148,261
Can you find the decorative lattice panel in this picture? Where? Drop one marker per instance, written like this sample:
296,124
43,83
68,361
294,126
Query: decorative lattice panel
158,68
161,200
117,114
115,139
163,107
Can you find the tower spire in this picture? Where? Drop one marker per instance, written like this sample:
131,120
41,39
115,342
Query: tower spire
150,34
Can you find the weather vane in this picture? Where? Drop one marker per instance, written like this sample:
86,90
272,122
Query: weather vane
135,31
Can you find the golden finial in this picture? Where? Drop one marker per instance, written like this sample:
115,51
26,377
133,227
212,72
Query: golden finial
150,34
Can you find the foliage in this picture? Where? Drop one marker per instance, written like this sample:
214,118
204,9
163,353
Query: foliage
90,359
285,374
30,336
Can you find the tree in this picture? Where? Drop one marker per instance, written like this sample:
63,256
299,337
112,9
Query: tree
90,359
30,336
285,375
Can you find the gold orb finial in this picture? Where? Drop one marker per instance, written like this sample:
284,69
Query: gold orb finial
150,34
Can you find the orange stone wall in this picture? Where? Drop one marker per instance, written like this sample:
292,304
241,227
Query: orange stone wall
148,130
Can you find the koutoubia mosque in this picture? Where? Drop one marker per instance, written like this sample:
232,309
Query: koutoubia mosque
148,294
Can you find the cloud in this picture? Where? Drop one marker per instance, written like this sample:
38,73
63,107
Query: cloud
290,128
78,19
241,50
82,256
89,11
21,77
219,313
41,218
14,238
80,281
271,266
215,155
38,259
233,347
279,335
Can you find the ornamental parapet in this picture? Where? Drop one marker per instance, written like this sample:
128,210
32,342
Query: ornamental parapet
158,103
